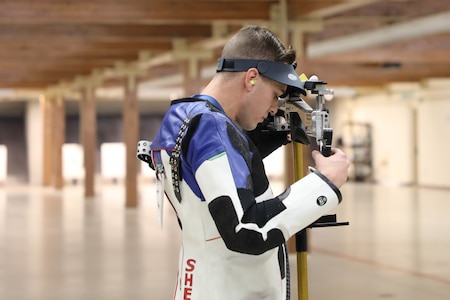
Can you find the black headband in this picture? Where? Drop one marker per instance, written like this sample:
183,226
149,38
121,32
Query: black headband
278,71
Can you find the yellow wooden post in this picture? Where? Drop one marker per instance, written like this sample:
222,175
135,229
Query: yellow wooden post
300,237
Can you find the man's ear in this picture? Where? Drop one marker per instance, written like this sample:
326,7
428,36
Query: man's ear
251,78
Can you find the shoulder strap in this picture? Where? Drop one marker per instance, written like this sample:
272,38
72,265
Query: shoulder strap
175,159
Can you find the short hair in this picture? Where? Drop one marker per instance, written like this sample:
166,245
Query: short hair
255,42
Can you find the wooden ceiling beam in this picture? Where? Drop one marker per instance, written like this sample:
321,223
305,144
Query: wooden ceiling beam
131,12
102,32
386,55
52,56
428,25
342,74
67,46
323,9
66,64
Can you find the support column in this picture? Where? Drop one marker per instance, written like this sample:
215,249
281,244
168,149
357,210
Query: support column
190,58
59,133
131,136
88,137
192,82
47,105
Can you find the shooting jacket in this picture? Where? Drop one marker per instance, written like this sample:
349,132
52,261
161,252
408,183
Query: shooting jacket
233,228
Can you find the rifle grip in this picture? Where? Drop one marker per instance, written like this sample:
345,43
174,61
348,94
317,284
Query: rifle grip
326,150
327,138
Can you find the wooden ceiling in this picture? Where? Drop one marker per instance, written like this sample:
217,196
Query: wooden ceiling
48,43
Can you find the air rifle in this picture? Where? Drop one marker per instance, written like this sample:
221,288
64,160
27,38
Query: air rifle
316,122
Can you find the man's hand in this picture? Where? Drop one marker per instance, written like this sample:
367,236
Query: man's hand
334,167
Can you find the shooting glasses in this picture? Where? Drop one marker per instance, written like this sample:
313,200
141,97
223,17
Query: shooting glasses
278,71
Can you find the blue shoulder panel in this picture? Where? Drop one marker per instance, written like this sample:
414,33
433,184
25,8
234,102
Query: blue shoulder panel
211,137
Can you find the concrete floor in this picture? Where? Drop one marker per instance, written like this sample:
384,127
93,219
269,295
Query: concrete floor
58,245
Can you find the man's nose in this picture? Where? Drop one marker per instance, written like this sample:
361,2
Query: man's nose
274,108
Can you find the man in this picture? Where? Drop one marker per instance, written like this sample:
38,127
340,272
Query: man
233,228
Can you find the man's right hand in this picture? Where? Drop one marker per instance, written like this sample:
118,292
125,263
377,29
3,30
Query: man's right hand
335,167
